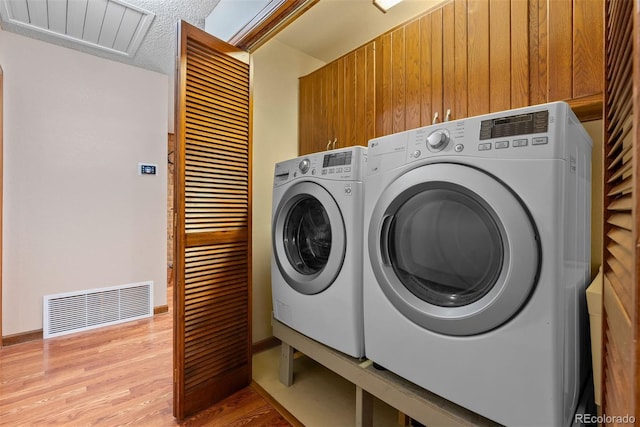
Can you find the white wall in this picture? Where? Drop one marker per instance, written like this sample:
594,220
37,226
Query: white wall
275,138
76,214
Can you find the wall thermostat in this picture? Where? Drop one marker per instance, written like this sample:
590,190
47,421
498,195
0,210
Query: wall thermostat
147,169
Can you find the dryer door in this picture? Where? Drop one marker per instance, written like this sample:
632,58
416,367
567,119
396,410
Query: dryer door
453,249
308,238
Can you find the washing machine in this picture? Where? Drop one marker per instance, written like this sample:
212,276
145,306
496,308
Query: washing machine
477,253
316,268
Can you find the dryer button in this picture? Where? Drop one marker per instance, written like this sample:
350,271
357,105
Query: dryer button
458,148
416,154
520,142
485,146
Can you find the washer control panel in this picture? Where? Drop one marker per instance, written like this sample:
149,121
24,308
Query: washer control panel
347,164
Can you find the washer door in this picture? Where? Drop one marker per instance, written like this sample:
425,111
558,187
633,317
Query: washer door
308,238
453,249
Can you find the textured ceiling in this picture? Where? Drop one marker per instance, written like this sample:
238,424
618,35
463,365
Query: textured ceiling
326,31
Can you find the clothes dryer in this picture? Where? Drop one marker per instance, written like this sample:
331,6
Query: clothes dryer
316,268
477,254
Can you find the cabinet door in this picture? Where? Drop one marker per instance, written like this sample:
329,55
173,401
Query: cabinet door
415,72
312,121
334,104
305,115
498,54
566,39
337,103
364,119
346,136
352,117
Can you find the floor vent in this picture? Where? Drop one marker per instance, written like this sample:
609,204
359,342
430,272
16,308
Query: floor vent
89,309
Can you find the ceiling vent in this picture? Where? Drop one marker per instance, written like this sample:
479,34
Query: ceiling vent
110,25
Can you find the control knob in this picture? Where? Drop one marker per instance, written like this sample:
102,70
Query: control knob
304,165
438,140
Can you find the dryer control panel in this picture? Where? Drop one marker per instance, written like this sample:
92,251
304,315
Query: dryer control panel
525,133
515,125
347,164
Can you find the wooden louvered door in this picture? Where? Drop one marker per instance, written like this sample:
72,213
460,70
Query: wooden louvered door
621,263
212,296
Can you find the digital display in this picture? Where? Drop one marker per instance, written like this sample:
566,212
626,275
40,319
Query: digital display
337,159
521,124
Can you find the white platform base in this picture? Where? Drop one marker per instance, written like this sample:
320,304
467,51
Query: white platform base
417,403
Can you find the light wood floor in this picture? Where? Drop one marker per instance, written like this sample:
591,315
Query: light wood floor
117,375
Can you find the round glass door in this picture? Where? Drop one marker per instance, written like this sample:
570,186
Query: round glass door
308,238
445,247
453,249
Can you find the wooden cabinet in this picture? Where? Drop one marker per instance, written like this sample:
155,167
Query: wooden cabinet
468,57
337,103
475,57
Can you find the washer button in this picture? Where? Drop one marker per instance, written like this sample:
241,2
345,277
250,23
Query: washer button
304,165
458,148
502,144
416,154
485,146
541,140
